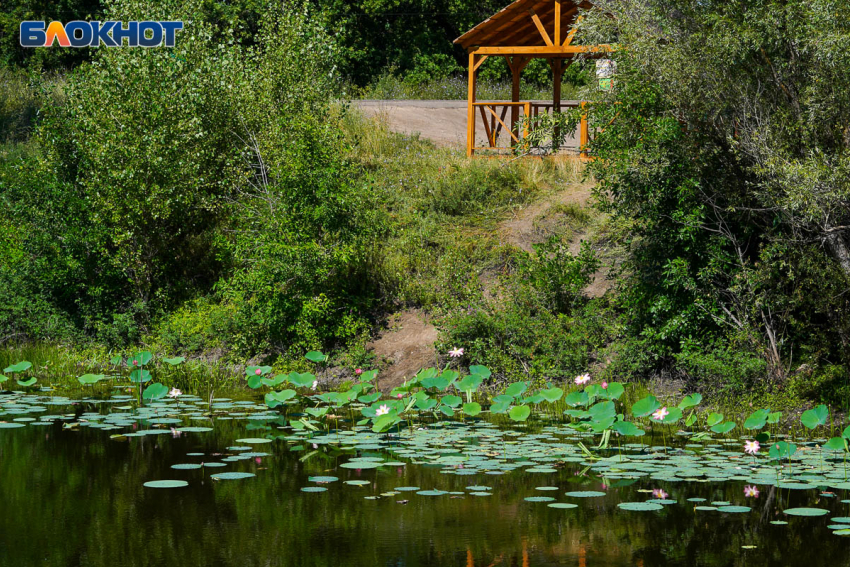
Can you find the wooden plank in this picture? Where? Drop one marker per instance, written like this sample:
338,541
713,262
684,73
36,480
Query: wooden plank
557,72
540,27
487,131
470,111
583,138
557,39
480,61
500,120
542,51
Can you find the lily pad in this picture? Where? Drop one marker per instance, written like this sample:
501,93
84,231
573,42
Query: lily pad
639,506
166,483
806,512
585,494
232,475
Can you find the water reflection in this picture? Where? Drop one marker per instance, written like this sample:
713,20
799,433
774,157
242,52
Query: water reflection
73,497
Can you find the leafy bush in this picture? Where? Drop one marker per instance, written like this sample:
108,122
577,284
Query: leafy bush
559,275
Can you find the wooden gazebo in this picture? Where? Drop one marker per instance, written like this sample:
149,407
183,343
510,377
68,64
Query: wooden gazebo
524,30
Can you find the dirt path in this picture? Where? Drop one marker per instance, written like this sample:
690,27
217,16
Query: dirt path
535,223
441,121
407,345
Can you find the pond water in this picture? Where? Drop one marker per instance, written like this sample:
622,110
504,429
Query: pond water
72,490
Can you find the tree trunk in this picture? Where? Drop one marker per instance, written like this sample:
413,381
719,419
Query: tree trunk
840,251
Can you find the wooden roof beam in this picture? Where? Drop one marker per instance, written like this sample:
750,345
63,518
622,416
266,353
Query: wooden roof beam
546,39
540,51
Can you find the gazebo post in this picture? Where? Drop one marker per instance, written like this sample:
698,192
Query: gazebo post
516,71
557,72
470,109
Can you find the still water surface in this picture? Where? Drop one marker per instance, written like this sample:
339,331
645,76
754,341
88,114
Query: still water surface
75,497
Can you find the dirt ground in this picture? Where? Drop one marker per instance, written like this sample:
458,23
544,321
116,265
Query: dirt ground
441,121
407,345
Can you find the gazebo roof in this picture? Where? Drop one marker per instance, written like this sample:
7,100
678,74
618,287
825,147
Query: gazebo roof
519,24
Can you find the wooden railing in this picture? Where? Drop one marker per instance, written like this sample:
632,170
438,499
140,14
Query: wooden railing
495,123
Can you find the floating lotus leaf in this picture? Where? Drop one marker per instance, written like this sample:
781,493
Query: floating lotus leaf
734,509
431,492
585,494
562,505
639,506
539,499
166,483
254,440
360,465
357,482
407,488
232,475
806,511
186,466
322,479
313,489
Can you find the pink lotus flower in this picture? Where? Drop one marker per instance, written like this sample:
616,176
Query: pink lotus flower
456,353
135,362
661,414
604,385
383,410
751,492
258,460
358,372
582,379
174,393
258,371
751,447
399,396
659,494
175,433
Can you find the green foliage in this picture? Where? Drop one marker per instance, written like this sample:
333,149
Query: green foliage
739,211
558,274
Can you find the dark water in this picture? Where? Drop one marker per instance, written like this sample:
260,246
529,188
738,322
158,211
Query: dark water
73,497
